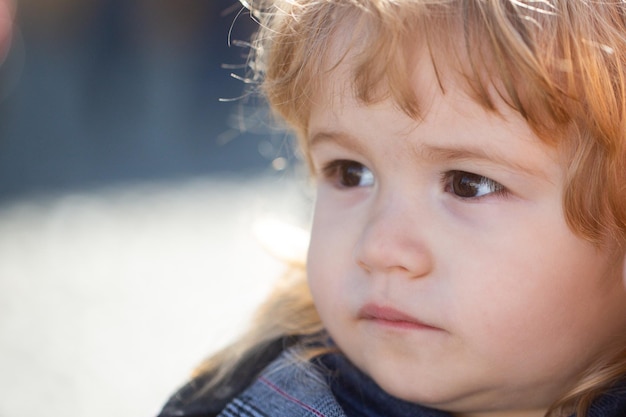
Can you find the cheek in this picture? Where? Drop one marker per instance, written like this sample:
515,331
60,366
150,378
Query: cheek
542,297
330,265
330,236
324,260
326,284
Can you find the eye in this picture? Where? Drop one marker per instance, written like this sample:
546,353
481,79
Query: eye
348,174
467,185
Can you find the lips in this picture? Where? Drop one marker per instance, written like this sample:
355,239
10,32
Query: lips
390,317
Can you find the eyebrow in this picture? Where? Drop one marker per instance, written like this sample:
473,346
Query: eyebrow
341,138
463,153
434,153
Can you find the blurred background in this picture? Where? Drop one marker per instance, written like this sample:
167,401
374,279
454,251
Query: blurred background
136,207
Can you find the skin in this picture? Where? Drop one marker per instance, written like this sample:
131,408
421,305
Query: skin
507,304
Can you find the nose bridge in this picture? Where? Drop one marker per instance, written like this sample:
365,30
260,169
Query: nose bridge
393,237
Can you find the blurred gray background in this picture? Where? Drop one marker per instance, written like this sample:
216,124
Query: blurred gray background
140,216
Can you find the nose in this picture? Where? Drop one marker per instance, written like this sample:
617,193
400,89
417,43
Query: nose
393,241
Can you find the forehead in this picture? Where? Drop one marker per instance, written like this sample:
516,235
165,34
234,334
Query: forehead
414,79
452,124
336,107
367,59
368,62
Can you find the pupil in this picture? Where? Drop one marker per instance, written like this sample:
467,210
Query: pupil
466,185
352,175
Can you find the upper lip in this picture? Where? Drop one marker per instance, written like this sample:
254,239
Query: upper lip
372,311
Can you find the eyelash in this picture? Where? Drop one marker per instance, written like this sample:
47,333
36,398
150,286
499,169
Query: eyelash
465,185
338,171
457,183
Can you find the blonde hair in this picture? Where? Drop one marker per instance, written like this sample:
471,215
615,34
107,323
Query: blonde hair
560,63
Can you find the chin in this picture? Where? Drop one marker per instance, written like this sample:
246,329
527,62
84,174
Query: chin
419,390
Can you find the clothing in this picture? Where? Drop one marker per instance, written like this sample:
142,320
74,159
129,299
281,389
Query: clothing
193,400
332,387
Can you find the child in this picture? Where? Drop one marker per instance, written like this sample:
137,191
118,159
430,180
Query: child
467,253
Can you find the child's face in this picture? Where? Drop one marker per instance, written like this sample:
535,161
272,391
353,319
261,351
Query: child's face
440,259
